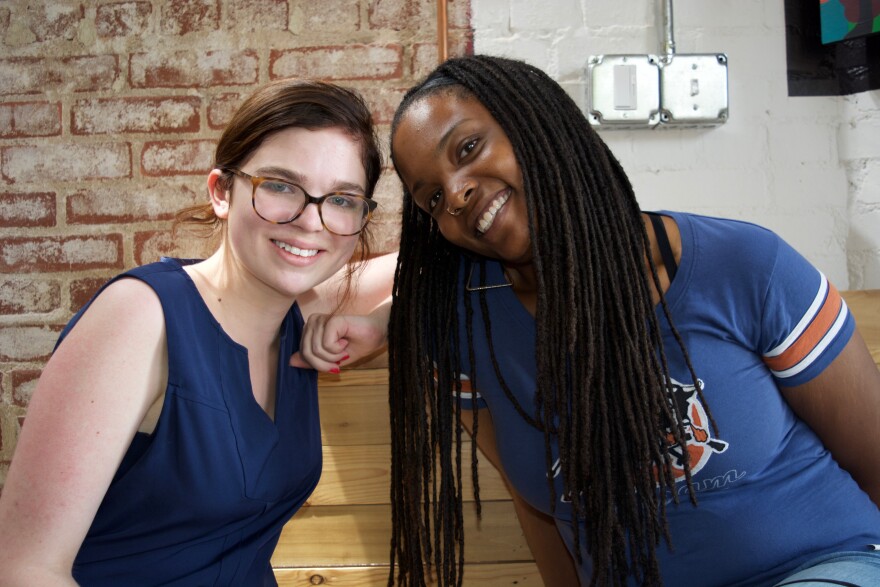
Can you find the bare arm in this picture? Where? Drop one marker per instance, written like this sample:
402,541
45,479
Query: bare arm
358,330
551,555
88,404
842,405
372,289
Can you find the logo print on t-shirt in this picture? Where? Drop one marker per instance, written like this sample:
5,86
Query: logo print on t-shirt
700,445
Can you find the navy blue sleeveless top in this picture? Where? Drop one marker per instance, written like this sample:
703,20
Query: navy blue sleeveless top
202,500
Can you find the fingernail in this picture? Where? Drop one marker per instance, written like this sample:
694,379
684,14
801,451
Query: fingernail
334,370
345,358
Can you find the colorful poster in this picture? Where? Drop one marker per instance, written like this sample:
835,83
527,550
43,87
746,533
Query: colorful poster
848,19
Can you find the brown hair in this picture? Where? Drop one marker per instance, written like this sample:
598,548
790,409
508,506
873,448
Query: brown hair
282,104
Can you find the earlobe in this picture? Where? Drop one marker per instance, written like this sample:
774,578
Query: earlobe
219,196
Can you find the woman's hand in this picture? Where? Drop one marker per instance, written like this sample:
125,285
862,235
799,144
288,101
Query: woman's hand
329,340
359,330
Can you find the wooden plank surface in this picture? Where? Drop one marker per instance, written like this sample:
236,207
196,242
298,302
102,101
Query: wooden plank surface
484,575
342,536
353,378
354,414
362,474
360,535
865,306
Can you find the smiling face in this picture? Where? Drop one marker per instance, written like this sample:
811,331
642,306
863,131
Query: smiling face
458,164
292,258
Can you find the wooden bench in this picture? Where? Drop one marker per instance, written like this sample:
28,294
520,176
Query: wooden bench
865,306
341,536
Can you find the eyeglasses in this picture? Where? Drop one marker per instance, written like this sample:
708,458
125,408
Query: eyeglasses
281,202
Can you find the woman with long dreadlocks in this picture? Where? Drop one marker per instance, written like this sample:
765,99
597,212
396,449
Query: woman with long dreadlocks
682,400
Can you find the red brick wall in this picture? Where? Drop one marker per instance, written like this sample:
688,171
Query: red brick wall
108,115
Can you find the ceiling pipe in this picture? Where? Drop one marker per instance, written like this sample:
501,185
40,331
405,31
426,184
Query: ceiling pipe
442,32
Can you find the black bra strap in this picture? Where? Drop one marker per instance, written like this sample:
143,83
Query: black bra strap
663,244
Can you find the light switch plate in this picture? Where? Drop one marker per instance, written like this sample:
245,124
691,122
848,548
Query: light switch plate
623,91
693,89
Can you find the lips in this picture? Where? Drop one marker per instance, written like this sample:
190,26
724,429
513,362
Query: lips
488,217
294,250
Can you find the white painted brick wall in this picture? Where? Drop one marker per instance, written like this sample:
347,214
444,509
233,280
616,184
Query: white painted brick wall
808,168
859,140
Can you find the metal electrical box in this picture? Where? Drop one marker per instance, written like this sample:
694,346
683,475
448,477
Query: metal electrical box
693,89
650,91
623,91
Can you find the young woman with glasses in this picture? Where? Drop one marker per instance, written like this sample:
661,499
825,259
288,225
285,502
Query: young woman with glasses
673,399
168,439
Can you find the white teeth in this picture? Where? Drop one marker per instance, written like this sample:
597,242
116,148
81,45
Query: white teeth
296,251
488,217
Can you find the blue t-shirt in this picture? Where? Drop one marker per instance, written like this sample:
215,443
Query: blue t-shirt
203,498
753,315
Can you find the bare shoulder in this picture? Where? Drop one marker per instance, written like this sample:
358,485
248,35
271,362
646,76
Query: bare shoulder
90,400
134,293
127,306
117,344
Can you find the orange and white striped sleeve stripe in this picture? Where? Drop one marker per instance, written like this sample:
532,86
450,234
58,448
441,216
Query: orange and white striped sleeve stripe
816,330
467,392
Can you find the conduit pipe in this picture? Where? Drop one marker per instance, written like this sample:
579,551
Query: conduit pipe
442,32
668,37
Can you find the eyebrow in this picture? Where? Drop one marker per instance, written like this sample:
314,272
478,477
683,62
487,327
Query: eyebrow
299,179
441,146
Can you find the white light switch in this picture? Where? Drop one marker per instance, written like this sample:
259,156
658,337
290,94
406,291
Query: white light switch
623,91
693,89
625,87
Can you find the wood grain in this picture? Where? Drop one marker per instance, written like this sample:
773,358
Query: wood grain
865,307
360,535
362,474
484,575
354,414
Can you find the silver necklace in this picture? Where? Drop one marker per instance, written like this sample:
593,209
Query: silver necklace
470,288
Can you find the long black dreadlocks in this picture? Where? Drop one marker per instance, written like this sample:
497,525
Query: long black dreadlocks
612,424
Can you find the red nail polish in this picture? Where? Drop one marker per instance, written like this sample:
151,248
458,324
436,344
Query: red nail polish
334,370
345,358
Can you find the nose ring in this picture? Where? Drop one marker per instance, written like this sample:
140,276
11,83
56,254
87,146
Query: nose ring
464,198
